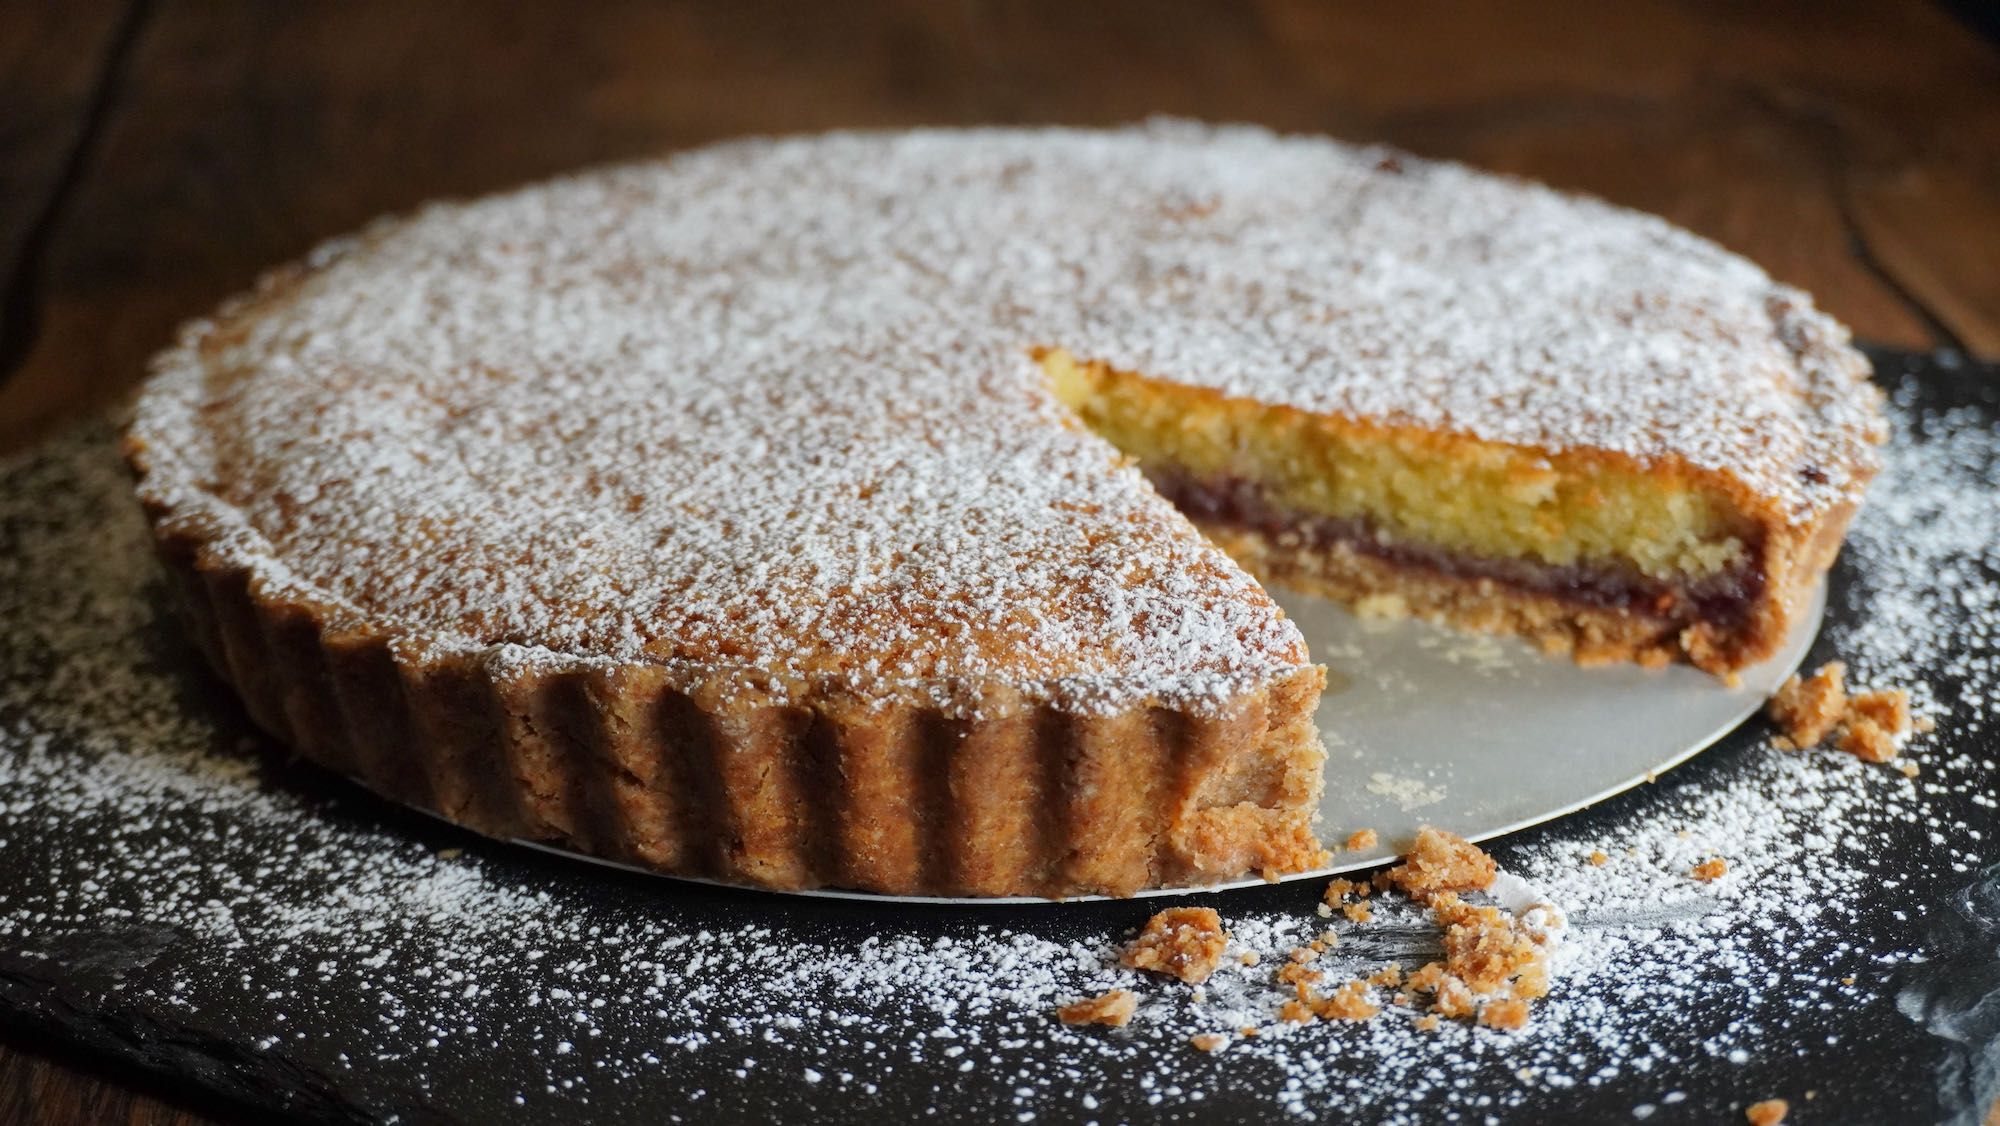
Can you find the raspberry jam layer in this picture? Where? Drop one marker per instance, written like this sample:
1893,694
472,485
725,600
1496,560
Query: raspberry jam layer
1722,598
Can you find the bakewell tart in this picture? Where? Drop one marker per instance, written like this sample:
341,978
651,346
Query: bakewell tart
845,510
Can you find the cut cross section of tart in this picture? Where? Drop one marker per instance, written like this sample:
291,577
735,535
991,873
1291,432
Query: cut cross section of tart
866,510
1587,551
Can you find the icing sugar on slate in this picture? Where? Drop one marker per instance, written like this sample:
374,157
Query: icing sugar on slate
453,953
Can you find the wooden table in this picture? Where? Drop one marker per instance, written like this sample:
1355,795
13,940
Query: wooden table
158,155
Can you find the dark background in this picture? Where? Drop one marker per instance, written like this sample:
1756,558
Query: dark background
155,156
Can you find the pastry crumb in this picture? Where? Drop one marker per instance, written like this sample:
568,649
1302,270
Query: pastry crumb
1112,1009
1208,1041
1358,913
1770,1112
1888,708
1507,1015
1339,890
1429,1022
1868,741
1598,859
1714,868
1349,1002
1869,725
1807,710
1484,946
1361,839
1182,942
1441,862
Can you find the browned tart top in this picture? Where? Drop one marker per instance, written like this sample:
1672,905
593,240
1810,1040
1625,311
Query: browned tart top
767,410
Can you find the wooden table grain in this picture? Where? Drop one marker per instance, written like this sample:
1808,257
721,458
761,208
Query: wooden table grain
156,155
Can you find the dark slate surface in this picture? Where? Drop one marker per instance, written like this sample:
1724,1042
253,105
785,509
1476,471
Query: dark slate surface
168,998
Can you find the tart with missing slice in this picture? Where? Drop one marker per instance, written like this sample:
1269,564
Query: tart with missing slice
845,510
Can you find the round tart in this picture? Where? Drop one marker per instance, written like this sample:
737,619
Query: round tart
843,510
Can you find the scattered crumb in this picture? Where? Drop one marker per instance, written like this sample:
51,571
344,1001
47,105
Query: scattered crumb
1249,958
1770,1112
1349,1002
1507,1015
1714,868
1297,973
1868,741
1888,708
1868,725
1182,942
1598,859
1358,913
1454,1000
1808,710
1362,839
1429,1022
1909,769
1208,1041
1441,862
1484,947
1388,977
1113,1009
1341,889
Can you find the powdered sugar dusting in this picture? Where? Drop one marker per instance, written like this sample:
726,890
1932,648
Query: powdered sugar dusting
381,966
769,405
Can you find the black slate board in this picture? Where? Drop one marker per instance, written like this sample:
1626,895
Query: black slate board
140,967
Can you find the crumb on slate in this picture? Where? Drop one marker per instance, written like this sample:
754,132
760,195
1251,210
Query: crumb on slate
1508,1015
1714,868
1868,725
1182,942
1441,862
1112,1009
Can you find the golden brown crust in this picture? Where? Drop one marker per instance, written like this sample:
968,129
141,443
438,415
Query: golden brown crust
892,796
